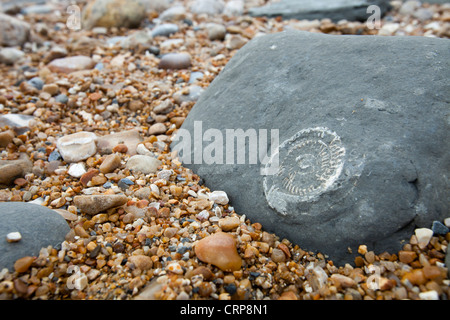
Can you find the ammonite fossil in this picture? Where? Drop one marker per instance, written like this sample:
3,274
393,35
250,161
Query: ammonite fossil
309,164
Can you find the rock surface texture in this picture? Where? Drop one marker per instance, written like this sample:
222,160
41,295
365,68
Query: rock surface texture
363,155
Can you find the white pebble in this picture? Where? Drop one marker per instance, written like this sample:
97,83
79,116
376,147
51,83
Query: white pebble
423,236
13,237
447,222
219,197
429,295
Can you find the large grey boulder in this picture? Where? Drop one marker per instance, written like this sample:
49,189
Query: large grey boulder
39,227
363,135
351,10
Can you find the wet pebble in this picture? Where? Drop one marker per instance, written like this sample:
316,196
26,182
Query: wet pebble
175,61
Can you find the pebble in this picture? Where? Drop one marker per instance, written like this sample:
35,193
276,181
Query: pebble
143,163
439,228
11,169
110,163
229,223
93,204
13,32
13,237
10,56
423,236
175,61
219,197
141,262
157,129
130,138
77,146
71,64
219,249
164,107
165,30
216,31
6,137
76,170
23,264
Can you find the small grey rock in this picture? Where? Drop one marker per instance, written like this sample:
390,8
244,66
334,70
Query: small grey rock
38,225
439,228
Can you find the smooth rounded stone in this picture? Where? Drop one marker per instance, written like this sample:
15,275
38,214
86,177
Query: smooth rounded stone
235,41
192,93
157,128
216,31
194,76
113,13
96,203
62,98
12,169
20,123
36,82
165,30
13,32
6,137
234,8
130,138
350,10
164,107
141,261
38,225
175,61
76,170
229,223
220,250
110,163
175,13
10,56
219,197
77,146
210,7
13,237
353,165
143,163
71,64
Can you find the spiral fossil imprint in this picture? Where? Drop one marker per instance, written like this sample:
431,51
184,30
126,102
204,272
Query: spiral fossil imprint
310,162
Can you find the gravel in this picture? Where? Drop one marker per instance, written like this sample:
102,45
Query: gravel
144,241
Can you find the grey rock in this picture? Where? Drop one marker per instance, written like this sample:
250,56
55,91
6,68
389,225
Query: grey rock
439,228
351,10
39,226
10,55
360,119
216,31
13,32
164,107
38,9
192,94
36,82
165,30
210,7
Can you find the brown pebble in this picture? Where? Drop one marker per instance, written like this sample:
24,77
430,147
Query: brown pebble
86,177
6,138
110,163
288,295
229,223
278,255
121,148
20,182
202,270
23,264
407,256
141,261
220,250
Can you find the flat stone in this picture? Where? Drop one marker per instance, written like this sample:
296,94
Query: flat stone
144,164
96,203
12,169
353,160
77,146
71,64
130,138
175,61
39,227
351,10
13,32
